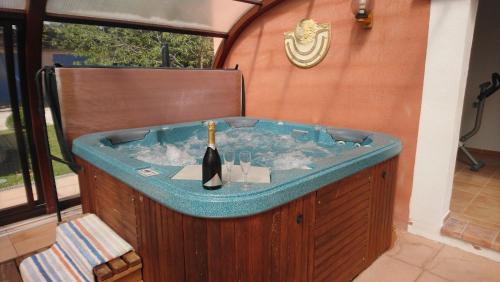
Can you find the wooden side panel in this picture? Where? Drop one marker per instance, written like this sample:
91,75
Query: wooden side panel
292,265
86,184
341,230
383,192
268,247
171,246
100,99
195,248
148,242
330,235
115,205
221,249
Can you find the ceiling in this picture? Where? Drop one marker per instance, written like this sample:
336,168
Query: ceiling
204,16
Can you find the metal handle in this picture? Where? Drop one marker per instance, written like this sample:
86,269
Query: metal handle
300,218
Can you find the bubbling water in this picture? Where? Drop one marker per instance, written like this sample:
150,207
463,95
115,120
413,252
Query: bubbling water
277,151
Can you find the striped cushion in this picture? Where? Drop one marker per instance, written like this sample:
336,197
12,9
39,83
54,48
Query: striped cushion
53,264
81,244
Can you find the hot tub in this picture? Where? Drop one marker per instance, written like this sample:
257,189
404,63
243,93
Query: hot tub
302,158
325,216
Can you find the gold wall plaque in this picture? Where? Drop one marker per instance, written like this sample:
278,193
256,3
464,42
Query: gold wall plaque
308,44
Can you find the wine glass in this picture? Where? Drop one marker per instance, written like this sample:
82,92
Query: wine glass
245,163
229,162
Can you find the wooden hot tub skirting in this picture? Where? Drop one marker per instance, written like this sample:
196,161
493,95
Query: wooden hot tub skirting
331,234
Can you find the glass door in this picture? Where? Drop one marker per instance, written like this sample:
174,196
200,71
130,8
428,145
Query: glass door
20,197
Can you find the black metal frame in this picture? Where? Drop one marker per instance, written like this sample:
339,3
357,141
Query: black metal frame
14,103
486,89
22,212
243,96
21,46
46,77
32,207
24,140
253,2
52,96
165,56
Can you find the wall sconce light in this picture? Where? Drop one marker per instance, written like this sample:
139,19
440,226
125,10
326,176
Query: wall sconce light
362,10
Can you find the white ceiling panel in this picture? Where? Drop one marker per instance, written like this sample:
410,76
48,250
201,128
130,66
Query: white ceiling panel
205,15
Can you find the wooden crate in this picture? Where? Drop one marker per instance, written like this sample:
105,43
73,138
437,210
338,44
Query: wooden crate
127,268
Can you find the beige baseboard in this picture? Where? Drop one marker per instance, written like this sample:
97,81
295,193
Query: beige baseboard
484,151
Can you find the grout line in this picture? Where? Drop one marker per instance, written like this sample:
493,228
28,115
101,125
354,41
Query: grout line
435,252
489,179
428,261
420,274
405,262
463,230
438,275
472,200
15,251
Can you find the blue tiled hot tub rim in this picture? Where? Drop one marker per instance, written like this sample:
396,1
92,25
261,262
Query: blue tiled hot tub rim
188,197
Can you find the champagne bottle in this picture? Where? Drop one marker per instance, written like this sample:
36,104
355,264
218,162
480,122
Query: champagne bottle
212,172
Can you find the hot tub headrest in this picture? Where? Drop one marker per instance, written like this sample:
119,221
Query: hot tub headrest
348,135
128,136
241,122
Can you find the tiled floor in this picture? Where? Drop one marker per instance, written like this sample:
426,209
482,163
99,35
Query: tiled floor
25,237
67,185
27,241
414,258
475,203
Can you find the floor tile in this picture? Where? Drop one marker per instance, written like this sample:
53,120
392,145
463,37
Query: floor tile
471,178
460,200
486,171
389,269
484,209
429,277
33,239
487,158
454,226
7,251
414,249
490,190
494,182
460,166
457,265
466,187
479,235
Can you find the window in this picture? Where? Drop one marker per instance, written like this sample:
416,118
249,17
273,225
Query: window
76,44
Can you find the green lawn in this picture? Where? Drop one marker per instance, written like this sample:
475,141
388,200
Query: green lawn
59,169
